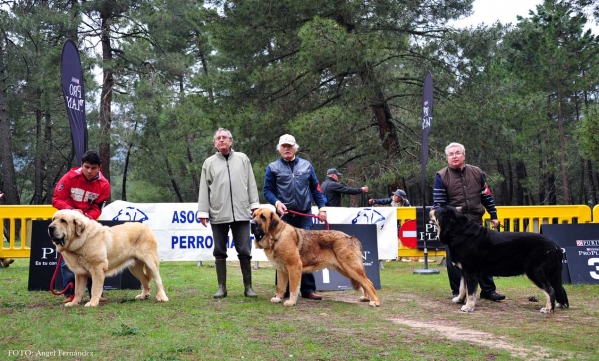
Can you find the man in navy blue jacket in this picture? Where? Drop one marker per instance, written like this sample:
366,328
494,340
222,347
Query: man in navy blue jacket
290,183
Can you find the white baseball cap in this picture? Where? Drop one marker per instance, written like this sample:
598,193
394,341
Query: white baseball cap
287,139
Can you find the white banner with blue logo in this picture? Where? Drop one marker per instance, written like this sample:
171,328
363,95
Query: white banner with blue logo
181,237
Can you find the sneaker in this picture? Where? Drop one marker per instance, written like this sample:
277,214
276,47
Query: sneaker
492,296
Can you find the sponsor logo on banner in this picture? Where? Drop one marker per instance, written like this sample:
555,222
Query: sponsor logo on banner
369,216
587,243
130,214
589,252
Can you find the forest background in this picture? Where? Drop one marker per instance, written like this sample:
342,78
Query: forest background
344,77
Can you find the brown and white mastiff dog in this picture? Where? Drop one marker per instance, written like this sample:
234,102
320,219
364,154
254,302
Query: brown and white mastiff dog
293,251
91,249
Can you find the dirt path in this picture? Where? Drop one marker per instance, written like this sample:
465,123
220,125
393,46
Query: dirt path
480,338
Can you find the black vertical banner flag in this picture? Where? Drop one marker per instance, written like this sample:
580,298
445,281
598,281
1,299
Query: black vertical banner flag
74,96
427,120
427,123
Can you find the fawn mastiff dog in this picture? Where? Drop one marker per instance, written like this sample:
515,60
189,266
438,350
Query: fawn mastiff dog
91,249
293,251
477,250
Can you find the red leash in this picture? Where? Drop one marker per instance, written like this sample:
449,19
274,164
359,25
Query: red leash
70,285
308,215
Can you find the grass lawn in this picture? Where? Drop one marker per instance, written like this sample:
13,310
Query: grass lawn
416,321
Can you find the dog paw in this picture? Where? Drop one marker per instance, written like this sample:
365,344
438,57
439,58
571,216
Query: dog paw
545,310
276,299
457,300
162,298
374,304
289,303
91,304
142,296
467,309
70,304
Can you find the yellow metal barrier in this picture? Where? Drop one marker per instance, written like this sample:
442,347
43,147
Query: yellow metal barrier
596,214
18,218
512,218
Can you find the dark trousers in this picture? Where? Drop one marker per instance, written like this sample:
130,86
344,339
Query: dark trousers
241,238
69,277
487,285
308,282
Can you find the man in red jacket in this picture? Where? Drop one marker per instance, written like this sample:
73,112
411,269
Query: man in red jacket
84,190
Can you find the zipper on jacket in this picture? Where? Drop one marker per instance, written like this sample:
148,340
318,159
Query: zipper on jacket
230,189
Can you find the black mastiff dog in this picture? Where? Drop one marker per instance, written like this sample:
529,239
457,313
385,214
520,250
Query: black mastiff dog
477,250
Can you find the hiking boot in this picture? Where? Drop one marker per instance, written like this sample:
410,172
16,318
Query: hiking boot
492,296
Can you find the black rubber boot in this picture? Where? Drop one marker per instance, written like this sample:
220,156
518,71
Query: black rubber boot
246,270
221,276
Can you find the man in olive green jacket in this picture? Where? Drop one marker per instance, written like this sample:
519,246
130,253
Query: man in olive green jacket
228,196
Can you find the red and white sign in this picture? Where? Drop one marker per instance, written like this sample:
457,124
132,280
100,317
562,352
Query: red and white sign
408,234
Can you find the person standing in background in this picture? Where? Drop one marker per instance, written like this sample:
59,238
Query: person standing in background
84,190
333,190
290,184
228,196
397,199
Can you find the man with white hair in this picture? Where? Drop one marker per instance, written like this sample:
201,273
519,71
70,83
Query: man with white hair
464,185
290,184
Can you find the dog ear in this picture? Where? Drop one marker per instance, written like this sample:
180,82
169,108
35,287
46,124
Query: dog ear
274,222
79,226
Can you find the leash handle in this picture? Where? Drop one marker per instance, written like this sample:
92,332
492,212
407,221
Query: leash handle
70,285
308,215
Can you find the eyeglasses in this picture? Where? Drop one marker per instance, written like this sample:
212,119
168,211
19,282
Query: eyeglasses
456,154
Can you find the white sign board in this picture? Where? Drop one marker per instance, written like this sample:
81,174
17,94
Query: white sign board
181,237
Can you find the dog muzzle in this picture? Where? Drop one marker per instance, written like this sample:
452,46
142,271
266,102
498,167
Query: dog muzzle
57,241
256,230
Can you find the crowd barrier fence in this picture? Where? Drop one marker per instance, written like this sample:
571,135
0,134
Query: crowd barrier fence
15,223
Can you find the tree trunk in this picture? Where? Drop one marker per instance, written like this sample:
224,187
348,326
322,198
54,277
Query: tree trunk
520,178
11,195
593,190
39,151
503,188
48,156
562,150
167,164
382,114
106,95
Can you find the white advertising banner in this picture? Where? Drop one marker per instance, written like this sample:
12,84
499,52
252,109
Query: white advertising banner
181,237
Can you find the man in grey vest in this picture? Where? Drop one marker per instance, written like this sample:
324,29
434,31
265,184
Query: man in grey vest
464,185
